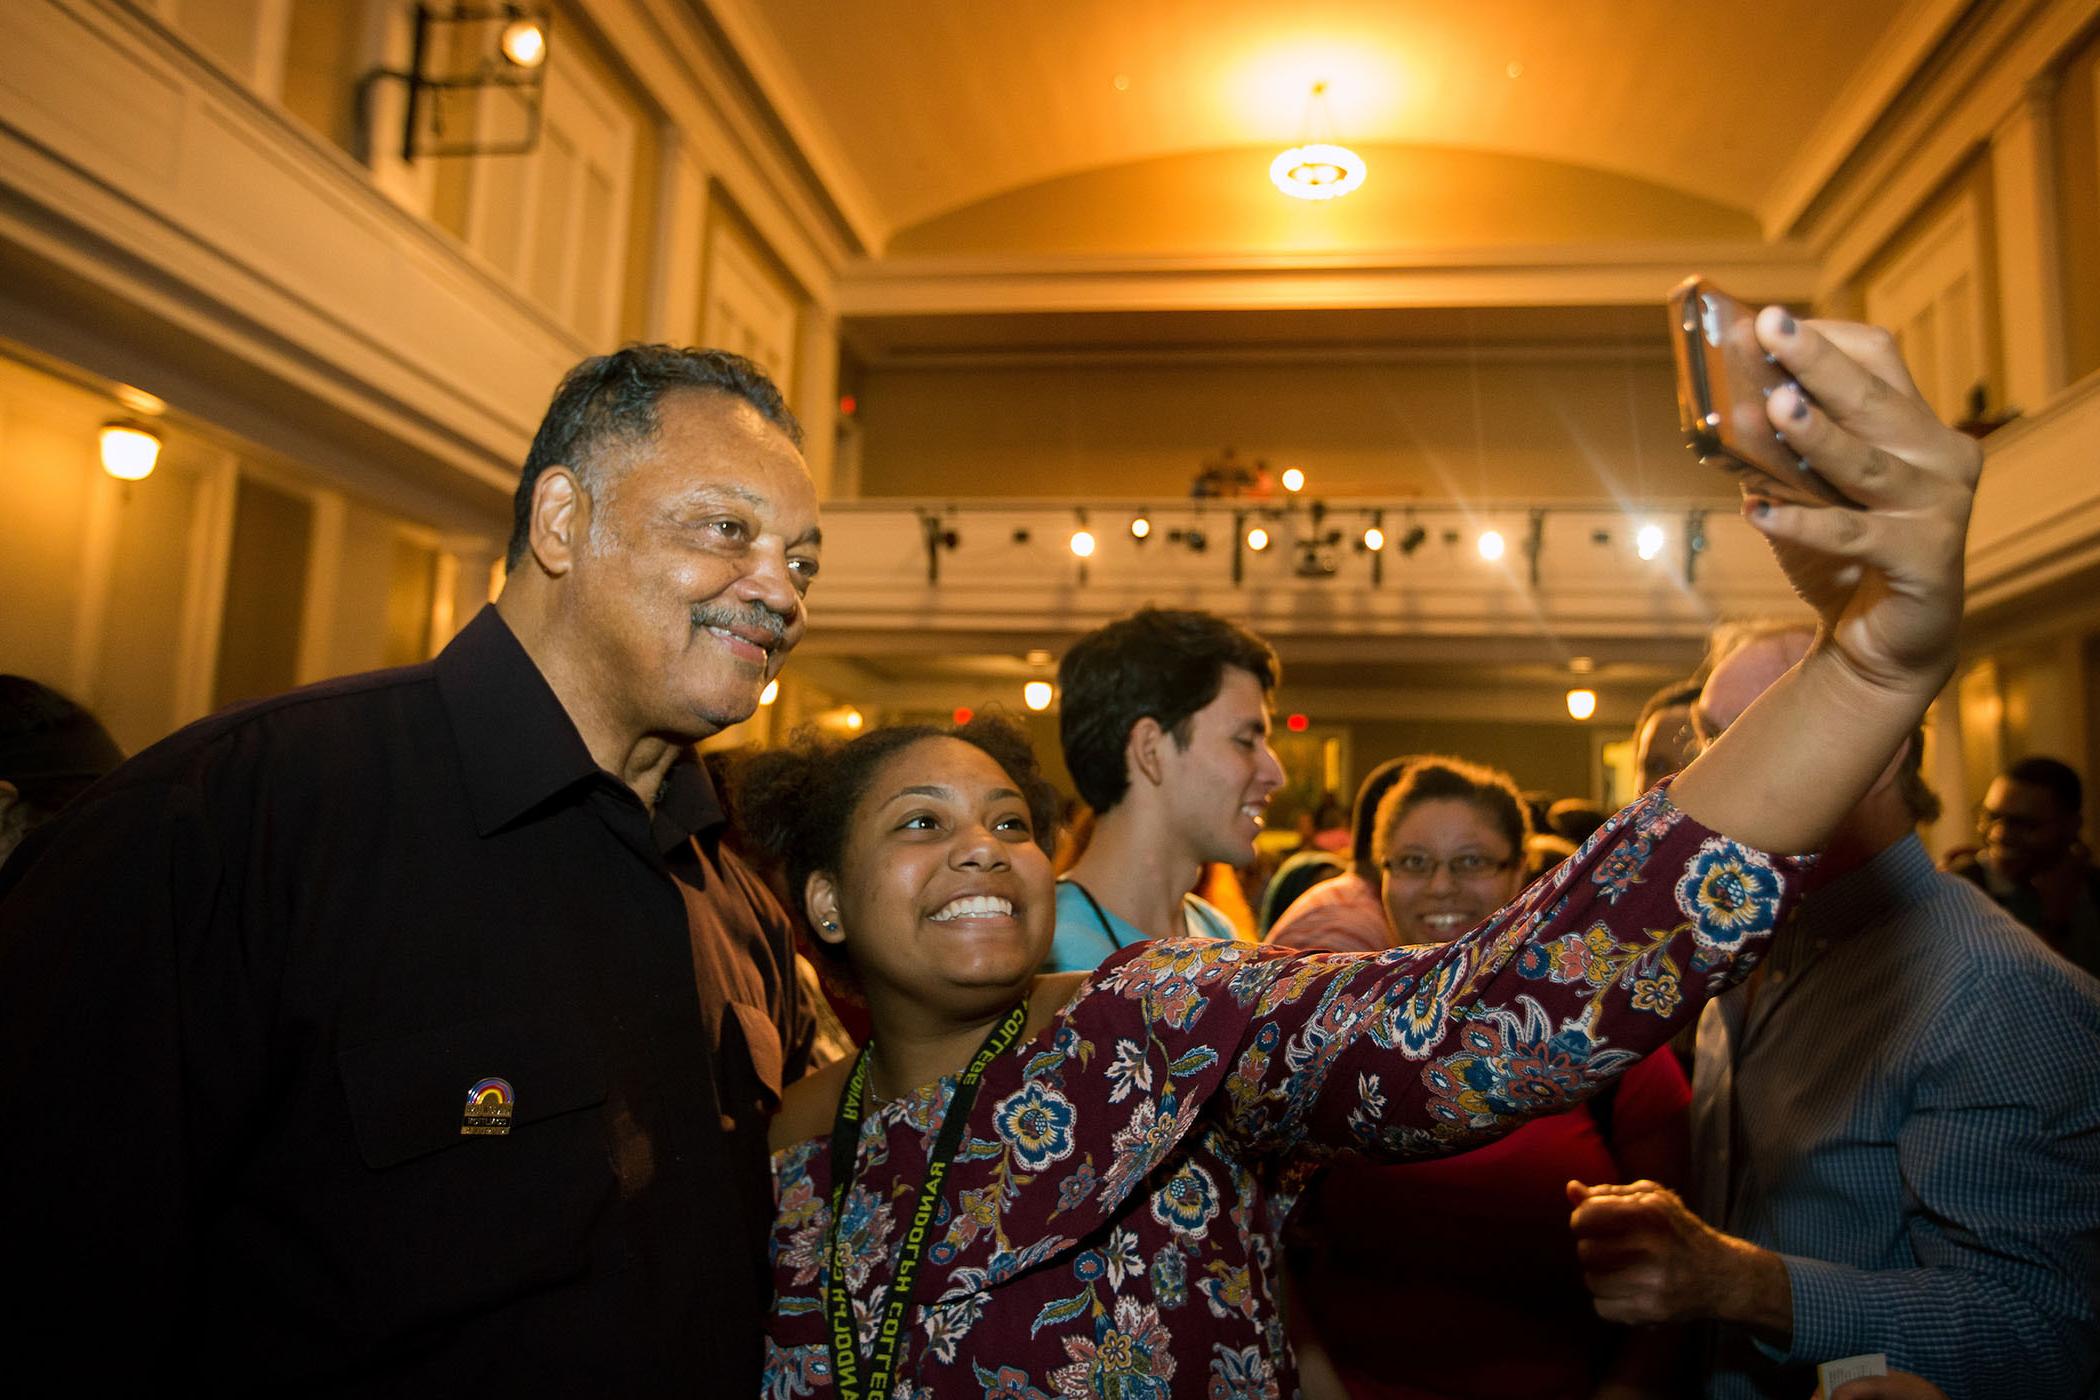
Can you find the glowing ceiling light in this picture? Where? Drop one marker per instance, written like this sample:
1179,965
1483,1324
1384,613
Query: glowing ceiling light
1374,539
1083,543
1648,541
1582,703
1257,539
1317,171
1140,527
1492,545
1293,479
770,693
129,451
1036,695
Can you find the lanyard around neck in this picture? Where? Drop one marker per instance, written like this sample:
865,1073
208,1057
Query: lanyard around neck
845,1164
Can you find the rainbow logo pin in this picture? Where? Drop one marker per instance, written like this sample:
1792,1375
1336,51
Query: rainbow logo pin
489,1105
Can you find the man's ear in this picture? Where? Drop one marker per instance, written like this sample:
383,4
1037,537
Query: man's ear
561,514
820,896
1142,752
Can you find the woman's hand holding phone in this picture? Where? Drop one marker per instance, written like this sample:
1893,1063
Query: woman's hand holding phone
1885,580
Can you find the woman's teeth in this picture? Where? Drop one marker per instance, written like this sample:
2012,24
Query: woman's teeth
975,906
1445,923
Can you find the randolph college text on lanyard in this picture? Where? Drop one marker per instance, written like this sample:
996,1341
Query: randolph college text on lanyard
845,1164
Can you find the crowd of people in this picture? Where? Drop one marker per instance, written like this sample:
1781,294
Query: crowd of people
457,1029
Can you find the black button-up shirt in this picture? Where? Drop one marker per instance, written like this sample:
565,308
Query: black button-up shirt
246,988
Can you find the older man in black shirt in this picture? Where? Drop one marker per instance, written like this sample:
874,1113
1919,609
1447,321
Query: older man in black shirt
413,1033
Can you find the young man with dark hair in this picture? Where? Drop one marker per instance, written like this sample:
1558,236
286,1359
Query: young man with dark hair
1165,724
415,1034
2032,862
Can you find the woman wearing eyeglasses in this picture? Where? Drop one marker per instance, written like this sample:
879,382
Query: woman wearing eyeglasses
1384,1257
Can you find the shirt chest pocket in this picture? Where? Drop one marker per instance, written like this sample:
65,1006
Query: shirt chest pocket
486,1168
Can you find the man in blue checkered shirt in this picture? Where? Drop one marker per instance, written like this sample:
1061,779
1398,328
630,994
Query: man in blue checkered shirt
1896,1131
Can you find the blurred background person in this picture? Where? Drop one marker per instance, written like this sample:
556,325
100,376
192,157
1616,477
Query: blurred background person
2033,862
1385,1259
1344,910
51,750
1663,741
1896,1138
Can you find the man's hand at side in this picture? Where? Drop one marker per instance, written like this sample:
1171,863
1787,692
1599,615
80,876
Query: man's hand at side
1646,1258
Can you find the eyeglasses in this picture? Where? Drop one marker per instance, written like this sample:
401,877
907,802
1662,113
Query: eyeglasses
1466,865
2014,822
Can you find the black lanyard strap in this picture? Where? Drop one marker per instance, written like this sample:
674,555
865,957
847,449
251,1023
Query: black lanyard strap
845,1165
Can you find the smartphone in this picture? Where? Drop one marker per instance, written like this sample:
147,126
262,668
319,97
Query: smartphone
1724,377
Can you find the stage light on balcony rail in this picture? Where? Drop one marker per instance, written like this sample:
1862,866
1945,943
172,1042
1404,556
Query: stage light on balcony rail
1083,543
1374,539
770,693
129,451
1036,695
1491,545
1293,480
1648,540
1140,527
964,714
1582,703
1257,539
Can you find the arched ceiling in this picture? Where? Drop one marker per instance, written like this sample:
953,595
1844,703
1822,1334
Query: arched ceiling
933,117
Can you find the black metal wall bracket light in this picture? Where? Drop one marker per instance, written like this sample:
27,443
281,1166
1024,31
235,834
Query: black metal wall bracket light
468,49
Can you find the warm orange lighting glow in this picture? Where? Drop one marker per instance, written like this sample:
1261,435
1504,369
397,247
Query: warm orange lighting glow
1374,539
854,719
1293,479
1257,539
1317,171
1036,695
770,693
1296,723
525,43
964,714
1491,545
1083,543
1582,703
129,451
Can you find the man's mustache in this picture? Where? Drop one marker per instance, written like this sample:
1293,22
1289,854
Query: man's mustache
756,617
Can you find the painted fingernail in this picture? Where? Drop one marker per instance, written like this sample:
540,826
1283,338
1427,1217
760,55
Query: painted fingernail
1800,403
1786,324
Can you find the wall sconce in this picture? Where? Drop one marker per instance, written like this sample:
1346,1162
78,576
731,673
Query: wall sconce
129,450
467,50
1582,703
1036,695
1141,527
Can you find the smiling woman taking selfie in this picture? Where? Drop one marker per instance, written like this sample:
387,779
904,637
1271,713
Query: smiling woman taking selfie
1047,1185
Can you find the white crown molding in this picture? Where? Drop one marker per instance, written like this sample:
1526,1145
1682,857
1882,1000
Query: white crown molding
1889,68
795,109
1560,275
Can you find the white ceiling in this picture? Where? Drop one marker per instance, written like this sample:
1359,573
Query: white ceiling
912,108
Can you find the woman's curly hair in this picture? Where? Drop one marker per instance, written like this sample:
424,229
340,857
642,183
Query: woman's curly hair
797,803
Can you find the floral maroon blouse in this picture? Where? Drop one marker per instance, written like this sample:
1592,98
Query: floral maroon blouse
1109,1224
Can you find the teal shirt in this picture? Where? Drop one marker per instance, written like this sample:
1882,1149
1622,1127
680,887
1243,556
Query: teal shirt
1082,942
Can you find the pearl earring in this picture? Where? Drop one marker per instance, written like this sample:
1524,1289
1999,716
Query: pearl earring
831,926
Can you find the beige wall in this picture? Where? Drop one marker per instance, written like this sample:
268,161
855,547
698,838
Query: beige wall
222,576
2077,137
1541,431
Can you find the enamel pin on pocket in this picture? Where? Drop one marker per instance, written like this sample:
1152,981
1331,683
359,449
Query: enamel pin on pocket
489,1105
